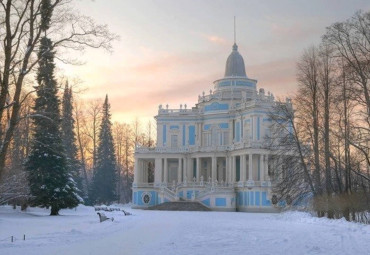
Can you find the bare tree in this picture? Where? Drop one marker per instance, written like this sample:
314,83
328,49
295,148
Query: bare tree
124,144
351,42
293,179
21,25
308,80
82,142
91,126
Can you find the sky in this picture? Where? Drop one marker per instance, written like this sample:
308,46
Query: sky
170,51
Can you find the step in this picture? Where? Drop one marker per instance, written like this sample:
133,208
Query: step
180,206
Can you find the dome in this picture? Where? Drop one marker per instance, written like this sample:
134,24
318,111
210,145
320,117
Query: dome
235,64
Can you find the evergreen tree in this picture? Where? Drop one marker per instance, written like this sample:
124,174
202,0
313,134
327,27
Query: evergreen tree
103,188
51,184
69,138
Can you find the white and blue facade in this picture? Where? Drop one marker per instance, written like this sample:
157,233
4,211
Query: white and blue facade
214,152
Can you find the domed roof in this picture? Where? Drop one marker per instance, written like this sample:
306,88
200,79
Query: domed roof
235,64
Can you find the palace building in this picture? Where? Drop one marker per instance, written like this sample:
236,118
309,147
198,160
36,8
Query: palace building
215,152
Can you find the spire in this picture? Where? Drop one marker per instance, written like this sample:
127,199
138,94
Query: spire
235,47
235,63
234,31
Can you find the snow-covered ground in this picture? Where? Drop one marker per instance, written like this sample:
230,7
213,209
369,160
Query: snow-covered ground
159,232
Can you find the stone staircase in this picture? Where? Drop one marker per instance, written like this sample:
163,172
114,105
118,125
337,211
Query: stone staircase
180,206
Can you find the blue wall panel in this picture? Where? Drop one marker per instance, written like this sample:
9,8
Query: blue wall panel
251,196
153,199
240,198
191,135
257,197
188,194
207,202
237,131
216,107
220,201
265,202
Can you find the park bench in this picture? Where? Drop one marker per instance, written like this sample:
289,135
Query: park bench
126,213
111,209
103,217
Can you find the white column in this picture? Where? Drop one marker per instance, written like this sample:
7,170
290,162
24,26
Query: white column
179,167
198,169
266,164
227,172
243,169
250,166
165,171
136,171
199,134
142,171
185,170
214,168
158,170
262,167
233,173
189,169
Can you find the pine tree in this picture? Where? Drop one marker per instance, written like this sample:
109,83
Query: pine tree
51,184
103,188
69,138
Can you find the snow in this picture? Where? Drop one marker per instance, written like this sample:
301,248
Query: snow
78,231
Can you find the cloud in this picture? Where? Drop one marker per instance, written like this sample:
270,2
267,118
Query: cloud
137,88
216,39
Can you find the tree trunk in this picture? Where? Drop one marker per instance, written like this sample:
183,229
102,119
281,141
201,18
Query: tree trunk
54,211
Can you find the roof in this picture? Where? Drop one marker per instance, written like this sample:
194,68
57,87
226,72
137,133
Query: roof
235,64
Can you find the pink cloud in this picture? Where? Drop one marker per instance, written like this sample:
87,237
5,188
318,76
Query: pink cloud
216,39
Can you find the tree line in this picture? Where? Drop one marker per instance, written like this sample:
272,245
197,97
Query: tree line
323,132
43,131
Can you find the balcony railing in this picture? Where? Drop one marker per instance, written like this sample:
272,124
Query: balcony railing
191,149
206,185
